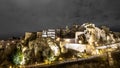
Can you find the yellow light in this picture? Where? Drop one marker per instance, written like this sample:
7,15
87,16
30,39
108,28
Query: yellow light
58,39
60,59
10,66
67,40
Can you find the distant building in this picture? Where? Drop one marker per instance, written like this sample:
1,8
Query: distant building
44,33
73,40
49,33
76,47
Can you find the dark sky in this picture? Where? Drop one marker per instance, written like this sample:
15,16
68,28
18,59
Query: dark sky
19,16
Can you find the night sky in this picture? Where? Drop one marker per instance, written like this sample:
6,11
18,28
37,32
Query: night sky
19,16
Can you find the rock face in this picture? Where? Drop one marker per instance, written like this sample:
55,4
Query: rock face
35,48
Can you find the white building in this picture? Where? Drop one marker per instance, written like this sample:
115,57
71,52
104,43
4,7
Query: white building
49,33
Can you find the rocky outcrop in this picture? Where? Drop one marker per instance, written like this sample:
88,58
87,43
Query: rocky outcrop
33,48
